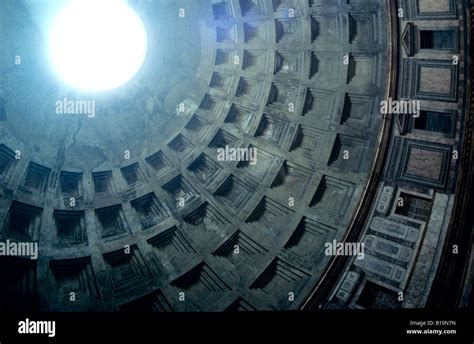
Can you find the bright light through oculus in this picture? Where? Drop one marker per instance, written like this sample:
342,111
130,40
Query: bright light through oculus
97,45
